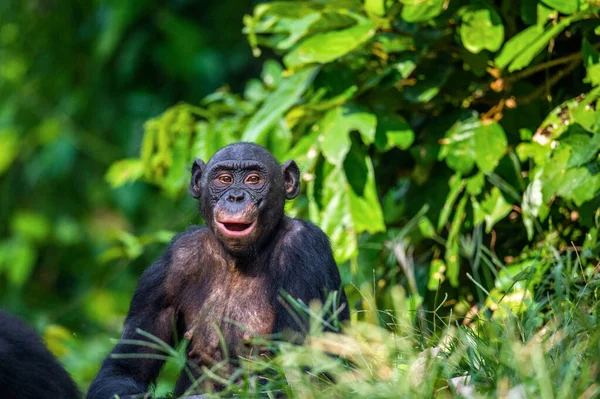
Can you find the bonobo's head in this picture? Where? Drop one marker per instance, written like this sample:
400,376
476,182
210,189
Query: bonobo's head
242,191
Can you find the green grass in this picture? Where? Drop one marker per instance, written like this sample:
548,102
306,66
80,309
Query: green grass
547,346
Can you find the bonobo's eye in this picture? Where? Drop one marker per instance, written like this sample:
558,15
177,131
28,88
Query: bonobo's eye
225,178
253,179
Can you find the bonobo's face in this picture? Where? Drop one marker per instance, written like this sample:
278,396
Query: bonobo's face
243,190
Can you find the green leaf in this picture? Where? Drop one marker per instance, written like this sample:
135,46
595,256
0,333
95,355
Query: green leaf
376,7
490,145
494,208
591,60
587,111
304,152
178,173
280,140
577,184
475,183
336,126
584,147
336,220
525,57
18,256
426,228
581,184
533,200
350,202
451,256
474,142
271,73
517,44
457,184
394,43
406,65
205,142
278,25
329,46
277,103
544,14
393,132
481,29
30,226
364,202
124,171
422,11
563,6
437,271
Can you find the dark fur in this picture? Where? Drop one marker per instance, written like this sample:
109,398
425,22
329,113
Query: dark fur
27,368
204,279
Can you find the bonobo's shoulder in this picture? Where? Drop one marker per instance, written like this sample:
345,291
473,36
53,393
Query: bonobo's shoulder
189,237
183,247
308,233
187,246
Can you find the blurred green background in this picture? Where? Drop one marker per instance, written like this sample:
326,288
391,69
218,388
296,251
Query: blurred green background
449,147
77,82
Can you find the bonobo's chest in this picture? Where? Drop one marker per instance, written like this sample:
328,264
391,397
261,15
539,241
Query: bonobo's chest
226,308
219,302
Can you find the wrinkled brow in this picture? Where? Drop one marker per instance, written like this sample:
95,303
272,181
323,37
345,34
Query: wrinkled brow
234,165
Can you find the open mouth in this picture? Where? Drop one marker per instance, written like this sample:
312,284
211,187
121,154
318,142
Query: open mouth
235,229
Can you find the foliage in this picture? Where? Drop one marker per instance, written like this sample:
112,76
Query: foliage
392,107
450,147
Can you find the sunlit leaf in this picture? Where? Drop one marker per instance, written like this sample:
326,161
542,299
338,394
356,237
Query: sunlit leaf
422,11
583,146
492,209
475,183
437,274
376,7
517,44
329,46
393,131
364,202
452,256
591,60
529,52
481,29
563,6
336,127
277,103
31,226
474,142
19,257
125,171
457,184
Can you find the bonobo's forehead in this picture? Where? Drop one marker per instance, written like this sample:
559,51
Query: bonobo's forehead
240,165
243,155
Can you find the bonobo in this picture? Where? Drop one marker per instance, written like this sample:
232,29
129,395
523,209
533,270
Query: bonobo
221,285
27,368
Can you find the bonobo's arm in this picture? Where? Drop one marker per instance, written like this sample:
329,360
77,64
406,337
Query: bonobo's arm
152,311
309,272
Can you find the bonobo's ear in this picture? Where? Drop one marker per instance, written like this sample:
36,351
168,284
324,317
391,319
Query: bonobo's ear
197,170
291,177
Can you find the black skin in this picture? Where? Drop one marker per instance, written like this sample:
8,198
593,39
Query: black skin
236,268
27,368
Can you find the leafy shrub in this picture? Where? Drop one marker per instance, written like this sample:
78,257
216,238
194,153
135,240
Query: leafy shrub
467,133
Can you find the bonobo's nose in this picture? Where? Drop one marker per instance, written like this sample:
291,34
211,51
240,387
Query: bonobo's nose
235,196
